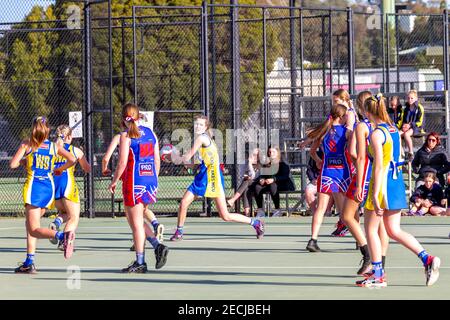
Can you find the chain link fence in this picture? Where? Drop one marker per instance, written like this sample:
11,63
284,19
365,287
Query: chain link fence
244,66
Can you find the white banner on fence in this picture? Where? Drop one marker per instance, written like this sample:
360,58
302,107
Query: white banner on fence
148,121
76,123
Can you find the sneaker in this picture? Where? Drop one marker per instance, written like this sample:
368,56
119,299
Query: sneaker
260,213
177,236
53,226
132,248
432,270
31,269
420,213
69,242
372,282
277,213
159,232
341,229
366,267
161,253
135,267
260,229
409,156
312,246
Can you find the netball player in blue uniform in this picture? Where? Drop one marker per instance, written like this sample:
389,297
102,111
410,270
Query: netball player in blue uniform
334,177
208,182
67,197
386,198
139,165
39,189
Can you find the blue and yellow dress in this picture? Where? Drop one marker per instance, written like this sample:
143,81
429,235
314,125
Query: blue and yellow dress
39,188
65,184
392,191
208,182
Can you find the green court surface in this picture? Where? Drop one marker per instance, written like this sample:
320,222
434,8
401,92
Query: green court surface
219,260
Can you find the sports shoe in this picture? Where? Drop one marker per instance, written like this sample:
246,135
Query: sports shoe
61,245
69,242
161,253
177,236
260,229
341,229
372,282
159,232
312,246
260,213
366,266
135,267
432,270
132,248
31,269
53,226
277,213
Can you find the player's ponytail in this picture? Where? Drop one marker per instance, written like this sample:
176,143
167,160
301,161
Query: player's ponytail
317,133
62,132
40,132
130,117
376,106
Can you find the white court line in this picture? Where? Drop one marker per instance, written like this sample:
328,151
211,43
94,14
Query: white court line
223,267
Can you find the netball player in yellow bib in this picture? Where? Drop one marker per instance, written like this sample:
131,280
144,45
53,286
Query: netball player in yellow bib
208,182
67,198
38,191
386,198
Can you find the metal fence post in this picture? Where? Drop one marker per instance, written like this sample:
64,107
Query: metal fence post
204,58
87,116
293,62
351,55
388,56
445,45
266,98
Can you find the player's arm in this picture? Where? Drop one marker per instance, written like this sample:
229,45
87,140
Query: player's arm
156,156
81,157
124,146
112,146
15,161
361,132
201,140
71,160
352,142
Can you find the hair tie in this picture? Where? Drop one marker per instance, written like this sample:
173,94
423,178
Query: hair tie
378,96
61,136
330,117
43,119
129,119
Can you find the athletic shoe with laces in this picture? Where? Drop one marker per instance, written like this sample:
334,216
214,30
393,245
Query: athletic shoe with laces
312,246
161,253
30,269
432,270
132,248
135,267
343,232
177,236
61,245
69,243
53,226
366,266
372,282
159,232
260,229
340,228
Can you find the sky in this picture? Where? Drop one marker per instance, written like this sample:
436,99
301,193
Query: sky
16,10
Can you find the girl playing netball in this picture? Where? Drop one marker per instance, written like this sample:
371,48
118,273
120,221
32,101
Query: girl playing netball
386,198
334,176
39,190
138,167
208,182
67,198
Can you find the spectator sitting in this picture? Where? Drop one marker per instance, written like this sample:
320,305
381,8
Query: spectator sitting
395,111
412,121
446,200
251,173
275,176
431,157
428,198
311,188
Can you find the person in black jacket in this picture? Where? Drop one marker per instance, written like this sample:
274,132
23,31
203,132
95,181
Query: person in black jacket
275,176
395,111
428,198
431,157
